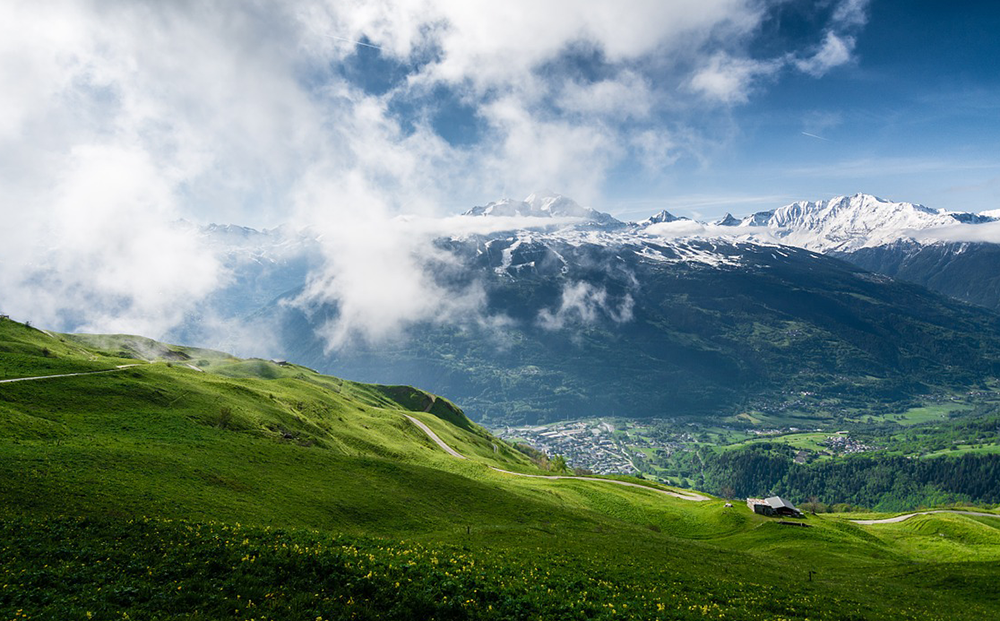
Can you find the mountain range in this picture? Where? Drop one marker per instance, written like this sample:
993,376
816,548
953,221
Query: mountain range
669,317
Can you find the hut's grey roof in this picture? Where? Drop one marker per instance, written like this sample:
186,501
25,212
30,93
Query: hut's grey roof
777,502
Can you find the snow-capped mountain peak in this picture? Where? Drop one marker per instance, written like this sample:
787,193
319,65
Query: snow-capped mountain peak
728,220
542,205
847,223
660,218
841,224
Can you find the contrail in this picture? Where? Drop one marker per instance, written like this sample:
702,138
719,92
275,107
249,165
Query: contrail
803,133
353,41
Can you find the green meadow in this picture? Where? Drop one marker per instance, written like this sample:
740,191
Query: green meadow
198,486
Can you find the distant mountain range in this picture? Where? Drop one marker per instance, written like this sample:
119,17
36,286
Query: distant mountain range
955,253
665,317
848,223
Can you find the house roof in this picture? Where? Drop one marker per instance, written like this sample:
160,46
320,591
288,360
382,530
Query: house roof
777,502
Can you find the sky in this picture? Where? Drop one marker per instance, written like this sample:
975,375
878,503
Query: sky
120,118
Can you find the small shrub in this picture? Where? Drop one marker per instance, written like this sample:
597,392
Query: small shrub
225,418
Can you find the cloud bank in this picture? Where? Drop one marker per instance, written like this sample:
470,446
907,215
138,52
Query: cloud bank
117,119
988,232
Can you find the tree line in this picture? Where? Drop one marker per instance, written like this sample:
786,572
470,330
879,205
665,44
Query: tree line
879,482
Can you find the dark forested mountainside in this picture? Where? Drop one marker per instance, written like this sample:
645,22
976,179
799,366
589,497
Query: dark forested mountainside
656,338
963,270
880,482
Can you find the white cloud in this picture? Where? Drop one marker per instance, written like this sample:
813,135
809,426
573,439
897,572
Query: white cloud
99,253
384,274
584,304
499,43
535,153
835,51
381,281
656,149
628,95
851,13
986,232
729,80
680,229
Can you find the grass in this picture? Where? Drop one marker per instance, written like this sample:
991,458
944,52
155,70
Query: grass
945,537
961,449
178,569
804,441
259,490
919,415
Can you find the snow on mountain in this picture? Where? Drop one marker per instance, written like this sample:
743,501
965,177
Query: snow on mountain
843,224
840,225
760,218
661,238
660,218
849,223
543,205
728,220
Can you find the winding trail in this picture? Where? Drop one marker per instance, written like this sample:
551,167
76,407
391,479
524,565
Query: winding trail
41,377
434,436
692,496
900,518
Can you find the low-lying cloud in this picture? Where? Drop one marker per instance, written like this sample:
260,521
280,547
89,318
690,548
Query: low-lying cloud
384,274
100,251
988,232
679,229
584,304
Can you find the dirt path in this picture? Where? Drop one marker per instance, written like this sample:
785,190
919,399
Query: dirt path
434,436
41,377
693,496
683,496
900,518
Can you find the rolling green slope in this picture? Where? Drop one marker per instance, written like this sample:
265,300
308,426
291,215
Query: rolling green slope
250,489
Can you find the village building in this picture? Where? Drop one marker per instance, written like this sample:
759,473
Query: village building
773,506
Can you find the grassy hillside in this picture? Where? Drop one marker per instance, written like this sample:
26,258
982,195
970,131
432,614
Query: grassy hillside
250,489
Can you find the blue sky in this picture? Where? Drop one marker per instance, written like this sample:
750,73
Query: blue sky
914,116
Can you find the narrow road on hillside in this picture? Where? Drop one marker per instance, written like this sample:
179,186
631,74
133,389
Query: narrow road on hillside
683,496
41,377
434,436
900,518
693,496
